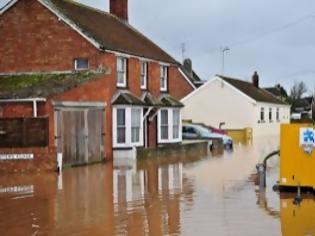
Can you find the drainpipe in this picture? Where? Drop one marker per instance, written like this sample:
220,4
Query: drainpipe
34,101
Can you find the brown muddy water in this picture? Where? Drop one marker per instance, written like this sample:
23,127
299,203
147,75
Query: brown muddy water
210,195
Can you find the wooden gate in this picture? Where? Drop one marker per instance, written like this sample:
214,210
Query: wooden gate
80,133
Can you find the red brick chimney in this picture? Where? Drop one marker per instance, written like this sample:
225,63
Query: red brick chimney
119,8
255,79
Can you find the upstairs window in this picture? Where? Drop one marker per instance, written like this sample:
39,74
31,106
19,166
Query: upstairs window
144,75
81,64
121,72
163,78
262,114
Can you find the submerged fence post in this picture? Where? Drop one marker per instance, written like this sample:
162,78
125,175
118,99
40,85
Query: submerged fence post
261,175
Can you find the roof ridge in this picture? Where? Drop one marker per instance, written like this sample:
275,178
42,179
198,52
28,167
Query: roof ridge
237,79
79,4
127,24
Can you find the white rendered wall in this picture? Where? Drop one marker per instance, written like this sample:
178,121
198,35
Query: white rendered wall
218,102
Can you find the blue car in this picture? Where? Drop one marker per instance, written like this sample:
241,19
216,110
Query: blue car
193,131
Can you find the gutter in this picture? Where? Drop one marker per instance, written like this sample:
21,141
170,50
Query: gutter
26,100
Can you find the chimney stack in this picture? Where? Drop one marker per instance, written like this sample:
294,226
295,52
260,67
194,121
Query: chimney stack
255,79
188,66
119,8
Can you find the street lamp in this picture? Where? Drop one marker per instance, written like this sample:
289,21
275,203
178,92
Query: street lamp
224,50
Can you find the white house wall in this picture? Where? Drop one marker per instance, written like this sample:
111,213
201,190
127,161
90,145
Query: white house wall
217,102
270,128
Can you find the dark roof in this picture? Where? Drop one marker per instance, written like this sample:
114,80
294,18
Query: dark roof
274,90
302,104
150,100
42,85
109,31
127,98
258,94
193,77
169,101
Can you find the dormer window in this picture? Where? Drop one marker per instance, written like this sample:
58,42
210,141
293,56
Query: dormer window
121,72
81,64
144,75
163,78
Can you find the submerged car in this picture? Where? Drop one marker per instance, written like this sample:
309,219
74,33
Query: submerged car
193,131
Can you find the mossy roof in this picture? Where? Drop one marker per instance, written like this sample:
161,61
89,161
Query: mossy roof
42,85
170,101
126,98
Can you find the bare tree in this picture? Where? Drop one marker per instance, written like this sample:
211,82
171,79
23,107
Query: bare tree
298,89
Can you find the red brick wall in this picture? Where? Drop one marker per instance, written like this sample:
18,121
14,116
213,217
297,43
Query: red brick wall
32,39
178,85
15,110
45,160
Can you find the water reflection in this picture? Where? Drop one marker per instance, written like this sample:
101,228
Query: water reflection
193,195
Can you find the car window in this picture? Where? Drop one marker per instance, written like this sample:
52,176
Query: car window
189,130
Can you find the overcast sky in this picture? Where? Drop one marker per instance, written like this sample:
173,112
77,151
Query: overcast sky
274,37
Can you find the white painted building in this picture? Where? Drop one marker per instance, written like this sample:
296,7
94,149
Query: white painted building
238,104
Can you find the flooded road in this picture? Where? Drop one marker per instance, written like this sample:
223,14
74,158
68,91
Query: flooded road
198,195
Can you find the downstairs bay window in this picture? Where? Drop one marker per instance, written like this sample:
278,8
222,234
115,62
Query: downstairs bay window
169,125
127,127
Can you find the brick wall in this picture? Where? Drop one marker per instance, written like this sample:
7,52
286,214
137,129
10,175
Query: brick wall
178,85
44,160
33,39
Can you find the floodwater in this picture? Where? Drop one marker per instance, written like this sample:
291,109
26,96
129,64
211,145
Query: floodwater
198,195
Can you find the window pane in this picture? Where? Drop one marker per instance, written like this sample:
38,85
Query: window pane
121,117
163,78
121,135
121,126
82,63
164,132
135,125
176,124
121,70
121,77
143,74
262,114
164,117
164,124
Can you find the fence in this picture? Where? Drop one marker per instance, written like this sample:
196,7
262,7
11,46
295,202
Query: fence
23,132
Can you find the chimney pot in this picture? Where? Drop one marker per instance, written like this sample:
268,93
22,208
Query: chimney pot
119,8
255,79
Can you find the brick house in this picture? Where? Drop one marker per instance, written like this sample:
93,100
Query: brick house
92,75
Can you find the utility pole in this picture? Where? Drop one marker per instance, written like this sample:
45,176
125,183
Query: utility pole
224,50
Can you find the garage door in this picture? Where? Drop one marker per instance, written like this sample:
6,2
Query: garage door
80,132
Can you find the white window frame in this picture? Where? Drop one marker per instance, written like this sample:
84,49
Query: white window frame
262,110
125,61
163,75
170,127
145,85
76,64
128,143
278,114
